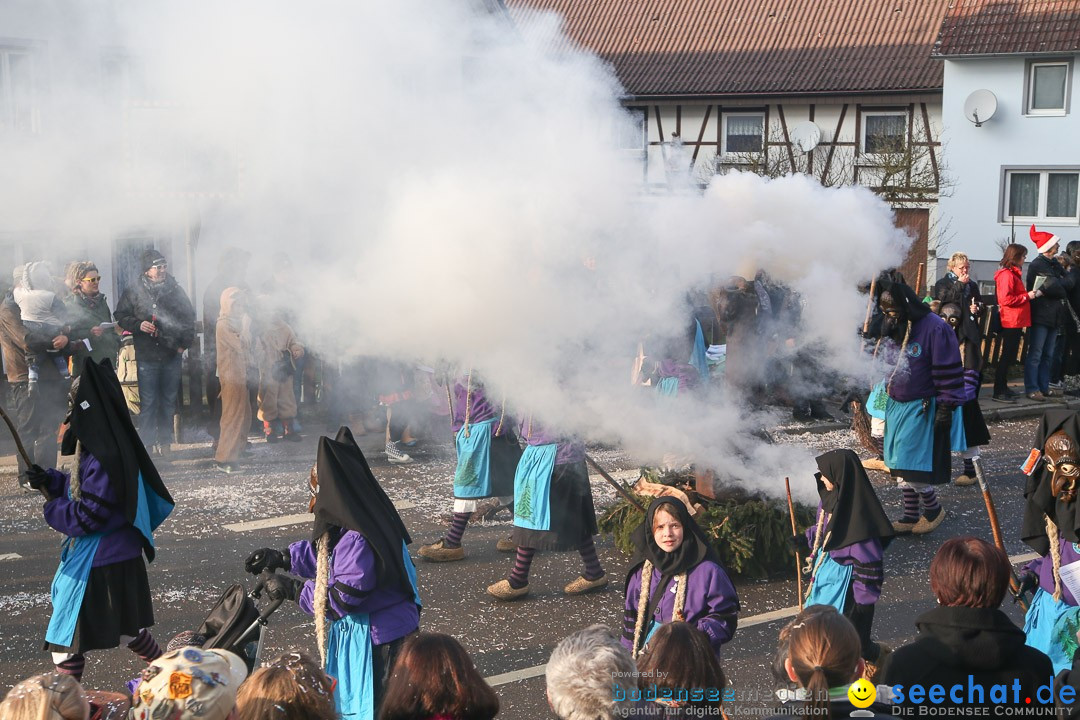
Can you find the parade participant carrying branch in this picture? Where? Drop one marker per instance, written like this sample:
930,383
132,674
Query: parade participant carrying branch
553,510
487,458
924,388
108,508
686,582
1051,527
355,573
846,546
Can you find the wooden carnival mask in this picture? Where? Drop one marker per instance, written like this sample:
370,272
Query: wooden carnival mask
1063,461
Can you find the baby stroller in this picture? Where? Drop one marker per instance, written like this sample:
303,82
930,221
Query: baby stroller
236,624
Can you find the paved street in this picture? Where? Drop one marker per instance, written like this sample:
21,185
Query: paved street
203,544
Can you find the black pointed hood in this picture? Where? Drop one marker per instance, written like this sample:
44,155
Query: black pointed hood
856,512
1038,495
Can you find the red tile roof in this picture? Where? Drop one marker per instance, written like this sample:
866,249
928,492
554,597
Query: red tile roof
755,47
996,27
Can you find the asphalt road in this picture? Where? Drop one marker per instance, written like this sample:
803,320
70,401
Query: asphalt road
201,550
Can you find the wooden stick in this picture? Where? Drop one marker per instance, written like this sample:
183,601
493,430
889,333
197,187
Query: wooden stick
919,278
615,484
794,531
995,530
18,441
869,306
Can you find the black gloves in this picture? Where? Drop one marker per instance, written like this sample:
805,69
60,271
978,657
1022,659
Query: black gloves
38,479
1029,582
799,544
943,414
267,559
283,587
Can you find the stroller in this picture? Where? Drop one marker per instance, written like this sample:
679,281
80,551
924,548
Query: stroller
236,624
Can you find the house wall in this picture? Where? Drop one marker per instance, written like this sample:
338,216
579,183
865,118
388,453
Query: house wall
978,157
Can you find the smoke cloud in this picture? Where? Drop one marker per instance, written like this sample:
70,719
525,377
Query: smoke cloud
439,179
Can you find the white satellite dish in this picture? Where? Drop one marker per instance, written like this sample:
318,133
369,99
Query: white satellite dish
806,136
980,106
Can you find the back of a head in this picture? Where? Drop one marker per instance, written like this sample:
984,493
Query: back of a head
580,672
189,684
969,572
434,676
50,696
824,651
291,687
680,656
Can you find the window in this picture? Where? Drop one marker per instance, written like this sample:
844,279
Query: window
884,132
1042,195
743,132
1047,88
17,111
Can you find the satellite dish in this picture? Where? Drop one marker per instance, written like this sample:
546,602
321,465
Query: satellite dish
980,106
806,136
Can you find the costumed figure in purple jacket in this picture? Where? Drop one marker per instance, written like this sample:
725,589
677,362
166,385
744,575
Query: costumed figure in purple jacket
553,510
976,434
107,510
1051,527
686,582
355,576
487,457
844,548
925,389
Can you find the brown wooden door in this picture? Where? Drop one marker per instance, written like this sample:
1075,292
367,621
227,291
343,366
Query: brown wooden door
916,221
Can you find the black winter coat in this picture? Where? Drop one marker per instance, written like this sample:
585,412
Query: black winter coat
1048,309
167,306
955,642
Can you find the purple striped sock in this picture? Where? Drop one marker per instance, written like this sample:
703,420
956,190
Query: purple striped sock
911,505
73,666
457,530
145,646
519,576
929,500
592,563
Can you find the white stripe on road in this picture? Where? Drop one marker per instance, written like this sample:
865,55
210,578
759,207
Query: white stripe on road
283,520
771,616
10,556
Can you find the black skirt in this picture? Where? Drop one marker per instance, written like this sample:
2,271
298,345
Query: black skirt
505,453
573,518
117,602
975,430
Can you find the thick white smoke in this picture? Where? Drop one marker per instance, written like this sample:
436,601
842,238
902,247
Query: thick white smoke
438,179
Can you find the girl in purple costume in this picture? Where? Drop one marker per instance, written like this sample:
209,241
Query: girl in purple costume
686,581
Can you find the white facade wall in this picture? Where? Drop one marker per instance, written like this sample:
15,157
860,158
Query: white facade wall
978,157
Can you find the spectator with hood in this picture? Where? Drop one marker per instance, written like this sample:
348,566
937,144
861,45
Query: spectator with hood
157,311
234,349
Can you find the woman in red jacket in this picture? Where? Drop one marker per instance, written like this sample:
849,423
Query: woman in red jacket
1014,308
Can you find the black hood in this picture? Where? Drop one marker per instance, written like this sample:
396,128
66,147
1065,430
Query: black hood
856,512
1038,494
976,639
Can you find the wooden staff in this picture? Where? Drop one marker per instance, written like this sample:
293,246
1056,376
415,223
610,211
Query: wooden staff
995,529
615,484
869,306
794,531
18,441
918,279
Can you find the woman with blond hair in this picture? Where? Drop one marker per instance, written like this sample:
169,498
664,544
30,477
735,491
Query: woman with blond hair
50,696
93,331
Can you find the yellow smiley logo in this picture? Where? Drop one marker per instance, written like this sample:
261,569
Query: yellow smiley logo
861,693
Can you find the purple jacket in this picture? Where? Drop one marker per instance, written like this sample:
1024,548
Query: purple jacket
867,571
686,373
711,603
931,366
99,511
480,408
1044,568
568,452
352,588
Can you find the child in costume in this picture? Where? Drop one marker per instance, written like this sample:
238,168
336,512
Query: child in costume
553,510
487,458
355,576
976,434
1051,527
846,545
686,582
108,509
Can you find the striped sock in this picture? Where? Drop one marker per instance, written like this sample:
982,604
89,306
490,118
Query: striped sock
911,505
145,646
457,529
929,499
73,666
879,444
592,563
519,576
969,467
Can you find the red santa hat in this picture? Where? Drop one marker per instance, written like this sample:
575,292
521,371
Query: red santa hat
1043,240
